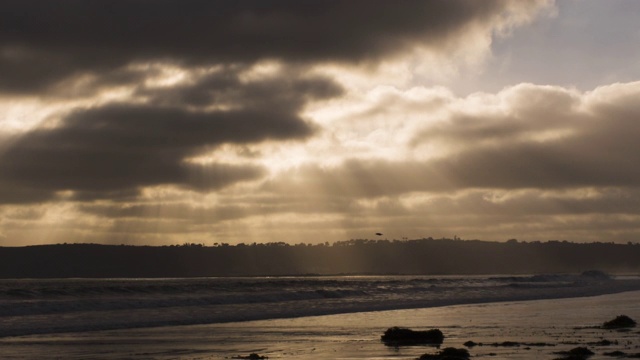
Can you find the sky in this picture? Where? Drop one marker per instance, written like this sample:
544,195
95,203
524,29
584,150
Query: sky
156,122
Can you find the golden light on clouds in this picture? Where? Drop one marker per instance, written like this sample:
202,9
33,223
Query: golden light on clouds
428,119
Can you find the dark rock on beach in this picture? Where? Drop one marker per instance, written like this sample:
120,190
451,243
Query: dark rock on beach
252,356
396,336
603,342
579,353
620,322
447,354
507,344
539,344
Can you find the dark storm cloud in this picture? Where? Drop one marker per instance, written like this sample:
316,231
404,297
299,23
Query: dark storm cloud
26,70
12,193
45,42
109,151
288,92
126,146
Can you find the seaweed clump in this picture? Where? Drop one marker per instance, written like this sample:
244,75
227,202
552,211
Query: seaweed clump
620,322
397,336
447,354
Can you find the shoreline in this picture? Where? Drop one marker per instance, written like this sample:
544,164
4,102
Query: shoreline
560,324
416,256
144,318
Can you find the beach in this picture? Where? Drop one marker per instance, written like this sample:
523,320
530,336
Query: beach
535,329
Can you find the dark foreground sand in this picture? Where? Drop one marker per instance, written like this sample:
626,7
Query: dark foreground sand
540,328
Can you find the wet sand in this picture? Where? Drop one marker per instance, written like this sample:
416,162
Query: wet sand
540,328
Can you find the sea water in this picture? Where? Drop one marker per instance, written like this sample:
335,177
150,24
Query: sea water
554,326
36,306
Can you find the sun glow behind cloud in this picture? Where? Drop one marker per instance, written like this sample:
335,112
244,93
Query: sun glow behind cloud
334,199
173,141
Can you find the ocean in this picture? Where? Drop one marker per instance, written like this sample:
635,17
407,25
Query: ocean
51,306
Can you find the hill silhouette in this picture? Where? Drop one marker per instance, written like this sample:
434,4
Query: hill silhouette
360,256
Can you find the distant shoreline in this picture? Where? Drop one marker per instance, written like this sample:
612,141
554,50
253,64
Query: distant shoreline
351,258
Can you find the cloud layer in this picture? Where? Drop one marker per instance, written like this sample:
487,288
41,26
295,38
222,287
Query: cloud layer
125,146
45,43
155,122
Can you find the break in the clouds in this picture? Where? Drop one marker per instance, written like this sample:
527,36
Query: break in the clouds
525,137
156,122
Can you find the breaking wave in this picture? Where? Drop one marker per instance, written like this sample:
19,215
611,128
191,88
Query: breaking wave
66,305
